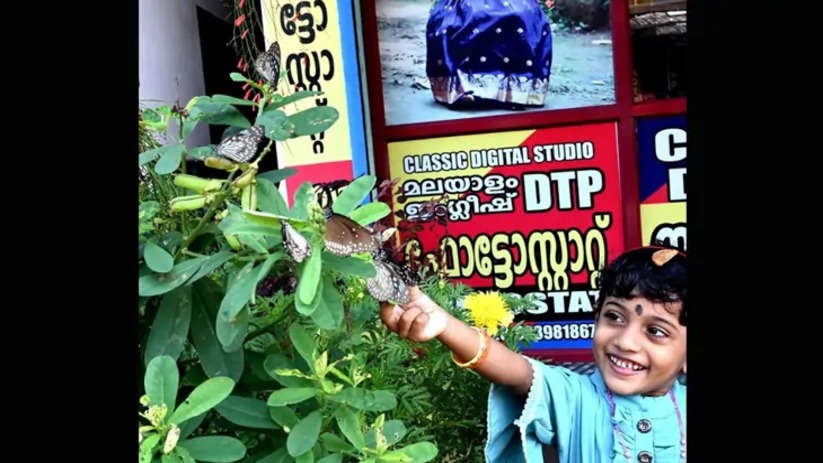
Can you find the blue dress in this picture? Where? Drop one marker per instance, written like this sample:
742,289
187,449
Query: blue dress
496,50
571,412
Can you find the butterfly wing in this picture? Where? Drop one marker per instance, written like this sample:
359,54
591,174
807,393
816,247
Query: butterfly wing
387,285
242,146
296,245
268,64
345,237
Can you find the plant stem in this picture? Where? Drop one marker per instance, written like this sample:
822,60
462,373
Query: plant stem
263,154
218,199
182,161
258,332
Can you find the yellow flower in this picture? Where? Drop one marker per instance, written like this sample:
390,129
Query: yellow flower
488,310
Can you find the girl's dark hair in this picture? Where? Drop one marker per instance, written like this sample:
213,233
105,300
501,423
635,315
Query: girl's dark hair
636,270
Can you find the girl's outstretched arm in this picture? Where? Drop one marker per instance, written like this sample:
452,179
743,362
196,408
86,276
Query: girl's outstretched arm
422,319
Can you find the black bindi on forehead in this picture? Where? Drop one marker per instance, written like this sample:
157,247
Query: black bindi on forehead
638,309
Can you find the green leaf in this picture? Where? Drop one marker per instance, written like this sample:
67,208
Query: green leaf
348,265
363,399
277,361
147,448
246,411
333,458
290,395
279,456
171,325
148,209
308,309
184,454
393,431
295,97
304,435
157,258
188,127
329,312
370,213
277,124
284,416
309,279
420,452
334,443
353,194
203,398
211,112
239,292
211,263
161,381
157,119
156,153
215,361
307,457
170,160
243,222
159,283
269,198
172,240
202,152
277,176
303,342
189,426
313,120
265,267
175,456
257,243
237,77
302,198
215,448
393,457
218,98
349,425
232,333
264,219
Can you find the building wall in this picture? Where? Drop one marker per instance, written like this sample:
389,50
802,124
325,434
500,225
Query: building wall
170,64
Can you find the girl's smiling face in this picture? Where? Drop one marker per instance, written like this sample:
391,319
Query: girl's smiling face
639,345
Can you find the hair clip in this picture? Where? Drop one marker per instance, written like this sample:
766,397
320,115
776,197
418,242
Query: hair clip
664,255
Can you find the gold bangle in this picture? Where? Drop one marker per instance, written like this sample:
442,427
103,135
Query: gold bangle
480,351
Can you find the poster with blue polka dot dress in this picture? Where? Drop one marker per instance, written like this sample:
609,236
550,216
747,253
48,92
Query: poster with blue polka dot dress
455,59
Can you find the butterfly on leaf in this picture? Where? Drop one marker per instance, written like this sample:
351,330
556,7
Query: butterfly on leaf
392,279
242,146
296,245
267,64
345,237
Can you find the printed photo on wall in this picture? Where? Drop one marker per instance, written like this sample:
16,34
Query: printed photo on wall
455,59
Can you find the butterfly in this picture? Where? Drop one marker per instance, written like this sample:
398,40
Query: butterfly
267,64
392,279
242,146
345,237
296,245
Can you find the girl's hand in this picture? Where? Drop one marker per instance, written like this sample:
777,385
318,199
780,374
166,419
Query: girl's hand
419,320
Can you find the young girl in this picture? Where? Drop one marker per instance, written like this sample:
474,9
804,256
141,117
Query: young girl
632,409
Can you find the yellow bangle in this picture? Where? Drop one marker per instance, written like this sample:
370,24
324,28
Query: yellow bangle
484,344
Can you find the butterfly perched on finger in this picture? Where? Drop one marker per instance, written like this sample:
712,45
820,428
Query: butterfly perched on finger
392,280
267,64
242,146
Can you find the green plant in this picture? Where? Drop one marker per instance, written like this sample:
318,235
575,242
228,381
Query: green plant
279,361
261,371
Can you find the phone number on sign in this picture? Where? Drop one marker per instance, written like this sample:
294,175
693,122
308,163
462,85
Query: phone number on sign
565,331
